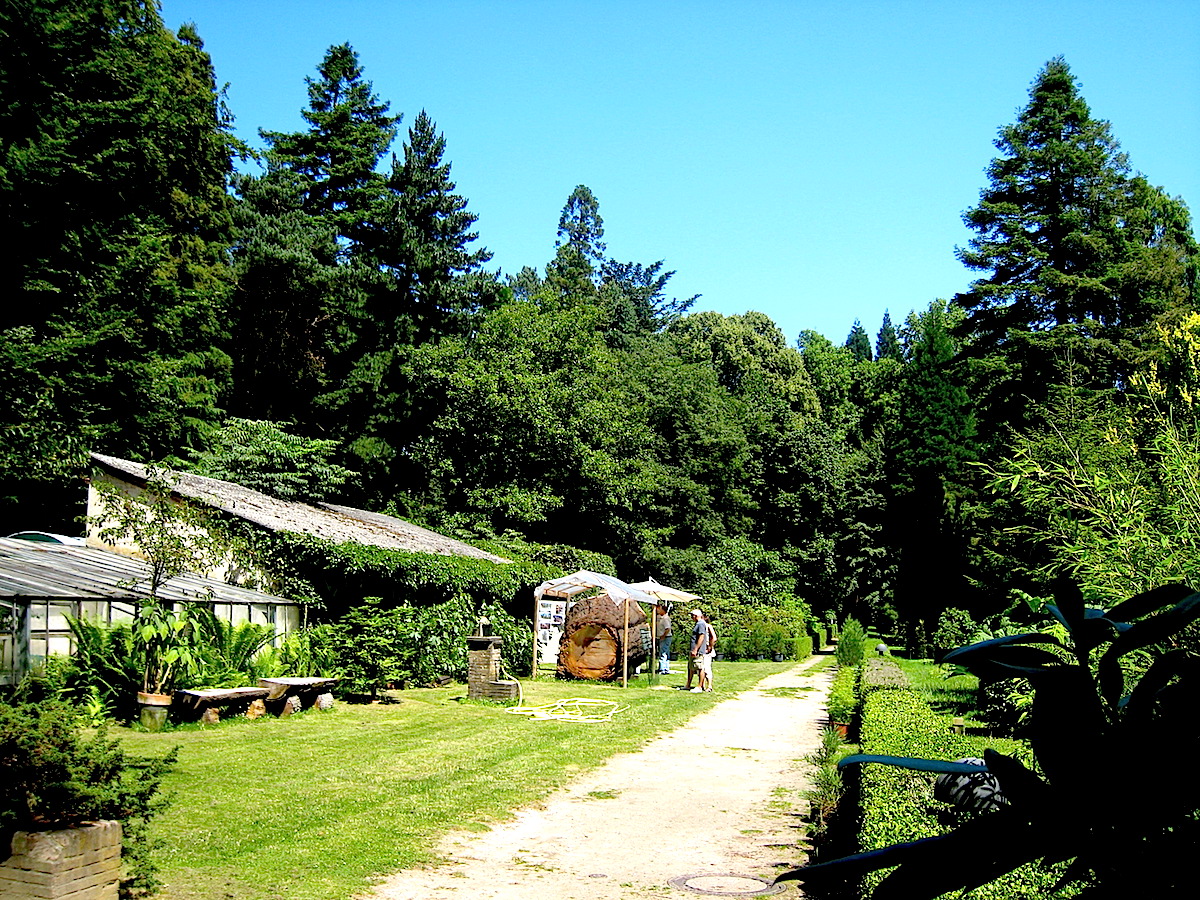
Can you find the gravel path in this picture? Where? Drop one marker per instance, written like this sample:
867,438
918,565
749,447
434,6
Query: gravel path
742,821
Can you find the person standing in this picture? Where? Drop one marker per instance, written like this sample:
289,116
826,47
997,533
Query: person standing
710,653
698,652
663,634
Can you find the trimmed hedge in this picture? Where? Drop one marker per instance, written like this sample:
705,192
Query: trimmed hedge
897,804
820,638
843,698
802,647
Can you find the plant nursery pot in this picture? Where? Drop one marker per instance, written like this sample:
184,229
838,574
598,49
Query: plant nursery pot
152,710
778,657
843,729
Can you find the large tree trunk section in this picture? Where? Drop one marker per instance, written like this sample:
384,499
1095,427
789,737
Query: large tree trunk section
592,642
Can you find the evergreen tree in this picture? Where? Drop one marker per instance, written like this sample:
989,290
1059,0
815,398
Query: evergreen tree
636,297
422,235
858,343
289,302
303,254
1062,235
432,284
580,246
933,440
887,345
115,154
337,156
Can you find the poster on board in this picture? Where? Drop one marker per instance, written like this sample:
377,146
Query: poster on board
551,615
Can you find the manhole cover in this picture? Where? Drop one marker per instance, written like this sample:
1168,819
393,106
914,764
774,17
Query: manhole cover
725,884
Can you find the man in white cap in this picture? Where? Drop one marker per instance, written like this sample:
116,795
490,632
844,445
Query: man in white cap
699,659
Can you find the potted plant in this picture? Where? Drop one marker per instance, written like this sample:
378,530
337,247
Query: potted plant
172,537
843,701
165,641
75,808
777,641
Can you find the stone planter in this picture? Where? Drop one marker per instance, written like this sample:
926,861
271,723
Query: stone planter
152,710
81,863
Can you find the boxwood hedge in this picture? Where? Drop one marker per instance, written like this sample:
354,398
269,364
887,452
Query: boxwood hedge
897,805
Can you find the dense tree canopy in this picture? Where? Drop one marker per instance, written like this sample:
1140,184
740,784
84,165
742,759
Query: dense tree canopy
335,302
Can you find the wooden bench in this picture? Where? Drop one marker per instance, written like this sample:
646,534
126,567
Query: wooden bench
287,695
208,703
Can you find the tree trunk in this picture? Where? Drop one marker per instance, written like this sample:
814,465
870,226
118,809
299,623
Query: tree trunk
592,645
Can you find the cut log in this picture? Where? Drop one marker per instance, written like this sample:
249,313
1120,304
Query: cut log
594,639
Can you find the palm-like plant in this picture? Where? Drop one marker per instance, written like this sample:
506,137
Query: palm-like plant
1124,821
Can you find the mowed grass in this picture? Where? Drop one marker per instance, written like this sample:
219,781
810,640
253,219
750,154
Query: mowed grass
954,696
319,805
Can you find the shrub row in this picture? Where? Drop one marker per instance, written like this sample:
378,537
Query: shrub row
897,804
820,636
802,647
843,696
747,631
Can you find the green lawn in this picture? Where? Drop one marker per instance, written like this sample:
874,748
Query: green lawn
314,806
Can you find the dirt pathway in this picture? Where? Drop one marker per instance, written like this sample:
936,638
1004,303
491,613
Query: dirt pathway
742,821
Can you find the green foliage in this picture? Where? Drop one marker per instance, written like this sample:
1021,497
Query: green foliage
827,787
897,804
858,343
851,644
843,695
1061,237
955,627
229,655
168,645
309,652
802,647
749,630
376,647
56,778
1111,494
104,663
116,151
262,456
349,132
369,648
887,344
1091,713
171,534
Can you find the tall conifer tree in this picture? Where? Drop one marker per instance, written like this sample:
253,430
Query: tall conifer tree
338,154
887,345
115,154
858,343
1062,239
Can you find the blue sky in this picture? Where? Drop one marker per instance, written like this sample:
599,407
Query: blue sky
811,160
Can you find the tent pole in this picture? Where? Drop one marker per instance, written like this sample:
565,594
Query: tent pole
625,648
533,671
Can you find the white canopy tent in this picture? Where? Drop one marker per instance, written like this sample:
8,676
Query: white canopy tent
552,600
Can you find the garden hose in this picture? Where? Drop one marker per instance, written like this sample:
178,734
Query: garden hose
572,709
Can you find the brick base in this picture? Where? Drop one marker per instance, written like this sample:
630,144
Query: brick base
72,864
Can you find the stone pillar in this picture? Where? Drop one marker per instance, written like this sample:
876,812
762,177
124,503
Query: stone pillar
483,663
71,864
